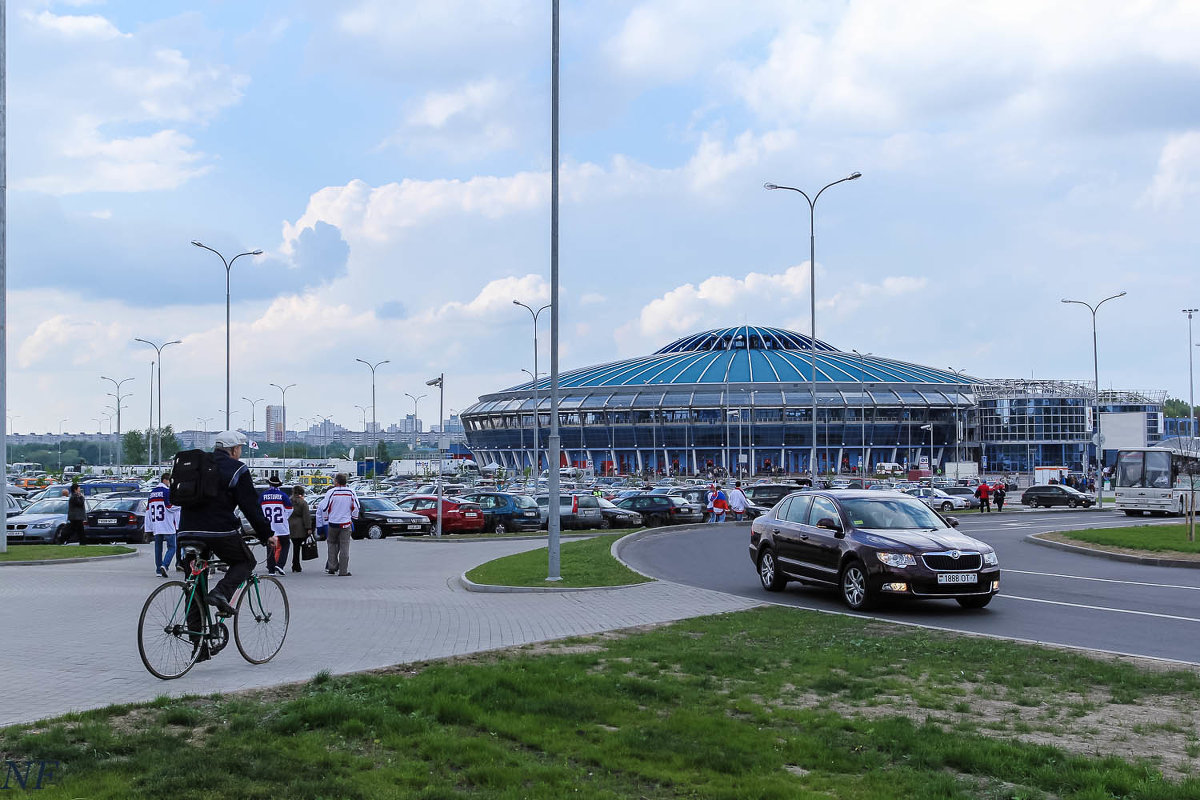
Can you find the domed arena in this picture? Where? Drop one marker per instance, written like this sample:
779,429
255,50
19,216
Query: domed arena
731,401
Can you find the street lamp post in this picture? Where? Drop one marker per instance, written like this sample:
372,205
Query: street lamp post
60,435
812,283
204,421
117,388
374,456
363,409
439,382
1096,374
283,395
228,265
150,425
536,413
862,412
957,389
1191,382
929,428
415,399
158,348
253,404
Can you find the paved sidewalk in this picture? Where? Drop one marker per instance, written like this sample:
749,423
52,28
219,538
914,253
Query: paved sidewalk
70,631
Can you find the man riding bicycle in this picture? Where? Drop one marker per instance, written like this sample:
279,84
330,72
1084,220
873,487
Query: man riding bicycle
214,524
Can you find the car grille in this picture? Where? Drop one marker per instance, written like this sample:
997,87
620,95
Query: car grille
944,562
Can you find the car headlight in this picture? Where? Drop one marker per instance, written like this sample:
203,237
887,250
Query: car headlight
41,524
897,559
990,559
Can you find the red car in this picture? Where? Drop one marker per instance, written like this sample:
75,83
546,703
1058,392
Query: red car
458,516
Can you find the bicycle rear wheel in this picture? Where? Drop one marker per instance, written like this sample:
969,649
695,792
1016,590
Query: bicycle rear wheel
261,622
166,649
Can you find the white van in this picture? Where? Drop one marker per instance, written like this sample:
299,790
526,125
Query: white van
888,468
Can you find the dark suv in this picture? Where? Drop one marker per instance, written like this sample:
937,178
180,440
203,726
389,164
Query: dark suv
505,512
768,494
662,509
1055,495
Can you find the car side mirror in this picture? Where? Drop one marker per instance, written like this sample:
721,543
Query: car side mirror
953,521
829,524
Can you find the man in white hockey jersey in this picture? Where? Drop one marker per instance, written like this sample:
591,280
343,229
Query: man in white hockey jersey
277,508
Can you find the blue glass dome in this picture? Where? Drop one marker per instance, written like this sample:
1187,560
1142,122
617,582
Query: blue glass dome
748,354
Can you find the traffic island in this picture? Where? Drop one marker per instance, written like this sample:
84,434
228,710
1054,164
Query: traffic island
583,564
30,555
1158,545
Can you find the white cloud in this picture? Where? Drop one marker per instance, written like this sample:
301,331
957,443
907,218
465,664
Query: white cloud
714,163
592,298
477,119
77,27
90,163
1178,175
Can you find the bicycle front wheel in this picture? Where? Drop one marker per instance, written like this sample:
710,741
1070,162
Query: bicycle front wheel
166,648
261,622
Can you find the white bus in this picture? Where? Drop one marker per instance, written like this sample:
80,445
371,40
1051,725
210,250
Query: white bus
1158,479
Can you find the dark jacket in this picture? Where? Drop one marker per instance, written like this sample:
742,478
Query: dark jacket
216,516
76,507
301,520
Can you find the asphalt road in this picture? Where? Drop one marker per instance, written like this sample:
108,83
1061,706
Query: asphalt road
1046,595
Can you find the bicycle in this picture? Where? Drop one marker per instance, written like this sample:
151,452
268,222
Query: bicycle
170,645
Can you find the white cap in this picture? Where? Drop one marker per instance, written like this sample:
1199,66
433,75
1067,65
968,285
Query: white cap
227,440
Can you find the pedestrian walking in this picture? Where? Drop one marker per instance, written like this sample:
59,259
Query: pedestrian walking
737,501
338,508
277,508
76,514
300,523
162,522
999,492
983,492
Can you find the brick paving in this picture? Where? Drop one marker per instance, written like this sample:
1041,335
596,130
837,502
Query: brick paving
68,633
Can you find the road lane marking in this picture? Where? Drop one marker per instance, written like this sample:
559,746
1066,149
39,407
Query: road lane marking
1102,580
1154,614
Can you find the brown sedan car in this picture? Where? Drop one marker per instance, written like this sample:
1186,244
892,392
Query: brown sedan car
871,545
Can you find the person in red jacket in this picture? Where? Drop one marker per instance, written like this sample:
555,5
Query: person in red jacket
984,493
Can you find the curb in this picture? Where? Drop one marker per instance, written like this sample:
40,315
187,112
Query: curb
446,538
471,586
48,561
1132,559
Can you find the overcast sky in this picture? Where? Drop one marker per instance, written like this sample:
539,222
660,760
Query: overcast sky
392,160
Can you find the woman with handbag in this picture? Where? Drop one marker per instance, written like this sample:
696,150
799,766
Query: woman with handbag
300,525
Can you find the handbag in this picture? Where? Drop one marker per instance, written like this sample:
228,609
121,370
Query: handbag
308,549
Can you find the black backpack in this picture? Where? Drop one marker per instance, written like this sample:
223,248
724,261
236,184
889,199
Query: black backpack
195,479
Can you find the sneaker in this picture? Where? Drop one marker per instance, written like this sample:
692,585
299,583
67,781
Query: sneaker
162,571
218,601
343,574
279,571
296,569
204,655
330,572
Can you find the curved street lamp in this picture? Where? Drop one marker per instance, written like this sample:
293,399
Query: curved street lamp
1096,373
228,265
374,455
119,397
536,414
438,382
812,284
283,394
158,348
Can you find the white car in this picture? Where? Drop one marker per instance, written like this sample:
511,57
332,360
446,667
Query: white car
936,498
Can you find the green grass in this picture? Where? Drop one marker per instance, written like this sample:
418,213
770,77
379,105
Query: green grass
51,552
1151,538
760,704
586,562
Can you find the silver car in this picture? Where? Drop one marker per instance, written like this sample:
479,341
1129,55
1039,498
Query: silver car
936,498
578,511
44,522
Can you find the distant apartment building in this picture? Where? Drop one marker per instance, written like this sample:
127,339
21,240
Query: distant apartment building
274,426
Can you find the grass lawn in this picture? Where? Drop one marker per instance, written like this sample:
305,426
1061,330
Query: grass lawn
51,552
585,562
769,703
1151,538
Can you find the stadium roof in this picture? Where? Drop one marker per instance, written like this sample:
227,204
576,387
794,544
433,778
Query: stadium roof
748,354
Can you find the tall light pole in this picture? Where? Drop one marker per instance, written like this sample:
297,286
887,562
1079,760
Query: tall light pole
60,435
282,394
150,426
536,427
929,428
307,424
439,382
862,412
416,399
204,421
960,375
535,460
1096,372
1191,382
158,348
363,409
812,284
117,387
253,404
100,430
228,265
374,456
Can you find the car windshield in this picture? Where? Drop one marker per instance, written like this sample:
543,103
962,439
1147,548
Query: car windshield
48,507
118,505
605,503
378,504
522,501
891,513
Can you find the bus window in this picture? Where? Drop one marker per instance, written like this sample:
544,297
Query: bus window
1130,473
1158,470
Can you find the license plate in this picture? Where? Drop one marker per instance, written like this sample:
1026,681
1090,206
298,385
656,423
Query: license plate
470,514
960,577
531,513
106,521
415,527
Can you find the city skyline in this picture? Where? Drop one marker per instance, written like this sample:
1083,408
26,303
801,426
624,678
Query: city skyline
1012,155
